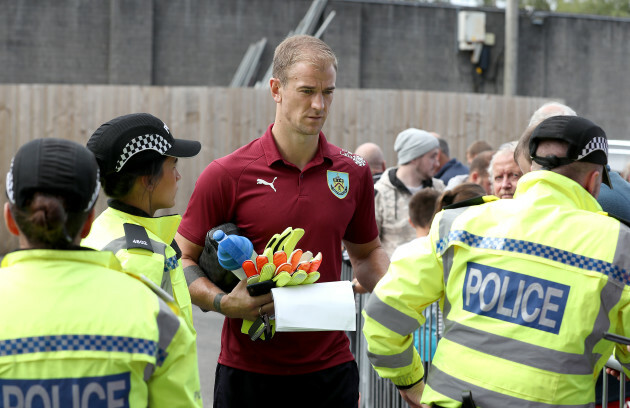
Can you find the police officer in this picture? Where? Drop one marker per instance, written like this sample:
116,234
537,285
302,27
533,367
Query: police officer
76,330
528,287
137,156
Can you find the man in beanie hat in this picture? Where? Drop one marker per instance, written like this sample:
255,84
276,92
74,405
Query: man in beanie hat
418,153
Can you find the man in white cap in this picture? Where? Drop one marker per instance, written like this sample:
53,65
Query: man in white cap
418,153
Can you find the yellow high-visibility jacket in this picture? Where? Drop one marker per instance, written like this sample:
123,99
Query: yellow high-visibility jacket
77,331
528,287
144,246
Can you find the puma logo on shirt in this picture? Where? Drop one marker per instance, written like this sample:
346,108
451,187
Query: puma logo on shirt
270,184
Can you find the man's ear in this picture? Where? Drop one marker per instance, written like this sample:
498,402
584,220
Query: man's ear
87,226
10,221
593,182
275,85
474,177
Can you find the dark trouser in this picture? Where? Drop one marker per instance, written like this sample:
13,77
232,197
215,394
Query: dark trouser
336,387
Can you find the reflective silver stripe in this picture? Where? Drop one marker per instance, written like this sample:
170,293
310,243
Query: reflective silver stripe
166,281
159,248
452,388
389,317
621,258
116,245
168,324
520,352
392,361
447,262
121,243
609,296
612,291
149,369
446,222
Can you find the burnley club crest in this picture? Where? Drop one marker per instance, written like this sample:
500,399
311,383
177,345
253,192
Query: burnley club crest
338,183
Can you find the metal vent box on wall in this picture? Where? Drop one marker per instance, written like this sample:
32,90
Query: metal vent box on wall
471,29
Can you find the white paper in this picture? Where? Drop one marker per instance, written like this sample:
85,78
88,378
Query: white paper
317,307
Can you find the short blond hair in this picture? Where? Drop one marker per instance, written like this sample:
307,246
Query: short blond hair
301,48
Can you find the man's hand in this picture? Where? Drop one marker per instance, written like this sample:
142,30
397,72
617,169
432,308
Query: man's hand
239,304
413,395
357,287
206,295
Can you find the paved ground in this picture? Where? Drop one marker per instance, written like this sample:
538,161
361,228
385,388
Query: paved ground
208,327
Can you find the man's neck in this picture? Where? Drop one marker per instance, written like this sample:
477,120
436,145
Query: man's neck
409,176
295,148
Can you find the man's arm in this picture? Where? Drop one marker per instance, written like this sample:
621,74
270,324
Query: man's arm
208,296
393,312
369,262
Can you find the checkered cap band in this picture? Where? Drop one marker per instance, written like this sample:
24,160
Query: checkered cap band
597,143
11,191
140,144
9,184
78,342
531,248
97,189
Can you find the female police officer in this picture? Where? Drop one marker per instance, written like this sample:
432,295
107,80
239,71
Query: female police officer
137,157
76,330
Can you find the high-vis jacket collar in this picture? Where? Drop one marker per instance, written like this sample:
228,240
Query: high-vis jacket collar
544,183
105,259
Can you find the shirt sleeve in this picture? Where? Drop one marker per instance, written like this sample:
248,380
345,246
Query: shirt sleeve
210,203
413,281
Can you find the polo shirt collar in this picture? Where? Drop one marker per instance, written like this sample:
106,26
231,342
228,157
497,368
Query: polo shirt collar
272,155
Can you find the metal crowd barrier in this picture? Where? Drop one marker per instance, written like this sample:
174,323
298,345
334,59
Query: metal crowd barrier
381,393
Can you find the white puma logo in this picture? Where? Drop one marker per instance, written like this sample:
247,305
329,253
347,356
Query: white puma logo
261,181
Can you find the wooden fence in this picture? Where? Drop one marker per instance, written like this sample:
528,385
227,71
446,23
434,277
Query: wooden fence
223,119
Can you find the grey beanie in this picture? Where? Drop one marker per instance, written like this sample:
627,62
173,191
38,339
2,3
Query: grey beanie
412,143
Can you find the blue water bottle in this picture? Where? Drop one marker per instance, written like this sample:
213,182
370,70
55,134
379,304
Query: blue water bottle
233,251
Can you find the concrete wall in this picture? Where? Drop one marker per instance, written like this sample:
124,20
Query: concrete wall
385,45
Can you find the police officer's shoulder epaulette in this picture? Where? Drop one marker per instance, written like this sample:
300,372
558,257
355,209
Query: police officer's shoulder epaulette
618,218
472,201
137,237
178,252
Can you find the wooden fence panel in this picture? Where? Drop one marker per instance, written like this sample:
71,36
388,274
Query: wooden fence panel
223,119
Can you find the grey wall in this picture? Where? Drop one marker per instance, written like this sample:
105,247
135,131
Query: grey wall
384,45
